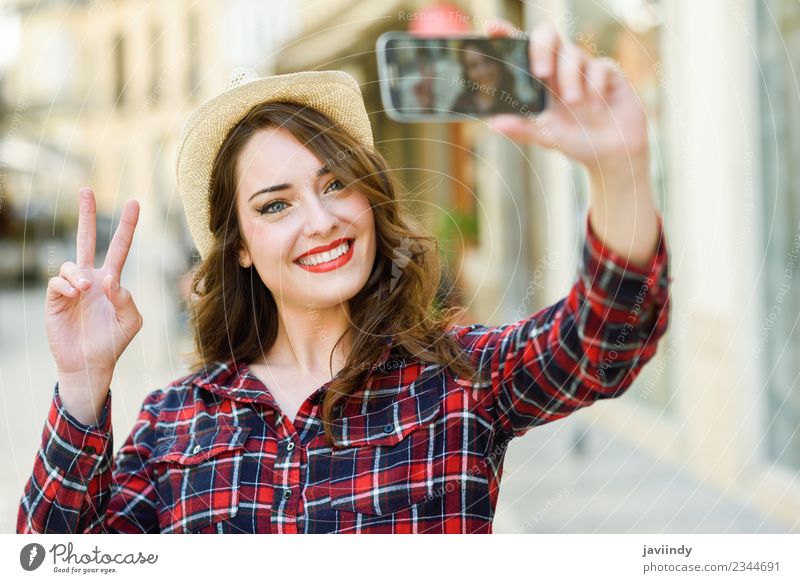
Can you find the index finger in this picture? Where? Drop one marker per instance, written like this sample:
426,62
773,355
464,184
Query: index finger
87,229
544,49
123,237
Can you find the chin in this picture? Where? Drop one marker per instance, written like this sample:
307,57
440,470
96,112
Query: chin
335,295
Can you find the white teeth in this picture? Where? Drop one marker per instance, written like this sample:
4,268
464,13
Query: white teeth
318,258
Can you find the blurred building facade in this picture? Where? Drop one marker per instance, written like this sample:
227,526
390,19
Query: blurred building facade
104,87
112,82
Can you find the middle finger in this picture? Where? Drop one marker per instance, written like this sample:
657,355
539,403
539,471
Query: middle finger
571,73
123,237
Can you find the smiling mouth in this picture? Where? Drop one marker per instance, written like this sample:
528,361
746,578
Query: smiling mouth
327,260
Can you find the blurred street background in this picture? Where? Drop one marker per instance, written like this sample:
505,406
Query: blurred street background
705,441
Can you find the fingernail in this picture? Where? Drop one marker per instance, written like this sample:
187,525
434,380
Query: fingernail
498,121
83,282
115,285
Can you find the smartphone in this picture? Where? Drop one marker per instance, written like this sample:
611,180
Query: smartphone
456,78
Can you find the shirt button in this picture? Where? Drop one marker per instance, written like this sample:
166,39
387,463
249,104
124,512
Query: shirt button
196,449
388,428
90,450
290,446
287,494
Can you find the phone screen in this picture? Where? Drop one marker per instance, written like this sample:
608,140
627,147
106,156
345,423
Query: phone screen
456,77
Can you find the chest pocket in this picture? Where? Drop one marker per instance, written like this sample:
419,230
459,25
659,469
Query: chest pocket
198,477
382,461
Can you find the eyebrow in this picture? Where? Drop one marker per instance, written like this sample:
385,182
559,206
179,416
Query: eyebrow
321,172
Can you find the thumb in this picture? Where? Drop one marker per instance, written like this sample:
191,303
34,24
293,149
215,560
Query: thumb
522,129
127,314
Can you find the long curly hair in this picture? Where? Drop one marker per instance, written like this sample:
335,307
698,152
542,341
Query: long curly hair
234,315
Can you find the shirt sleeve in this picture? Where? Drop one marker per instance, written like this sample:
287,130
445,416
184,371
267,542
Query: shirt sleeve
77,486
588,346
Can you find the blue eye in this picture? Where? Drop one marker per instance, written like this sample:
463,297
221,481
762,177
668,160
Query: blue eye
267,208
336,181
264,210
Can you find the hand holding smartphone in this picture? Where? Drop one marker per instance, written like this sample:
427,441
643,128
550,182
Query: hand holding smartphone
541,90
456,78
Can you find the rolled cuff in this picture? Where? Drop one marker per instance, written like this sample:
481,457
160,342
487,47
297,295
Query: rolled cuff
73,447
626,291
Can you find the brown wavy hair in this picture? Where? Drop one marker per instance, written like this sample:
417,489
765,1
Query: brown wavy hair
234,315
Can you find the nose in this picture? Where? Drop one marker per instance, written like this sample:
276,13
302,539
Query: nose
320,220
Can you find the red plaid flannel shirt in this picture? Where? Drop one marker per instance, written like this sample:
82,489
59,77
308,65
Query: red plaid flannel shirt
417,449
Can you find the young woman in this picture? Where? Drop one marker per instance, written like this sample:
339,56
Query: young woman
329,395
490,81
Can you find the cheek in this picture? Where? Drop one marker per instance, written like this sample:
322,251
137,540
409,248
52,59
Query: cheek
247,226
360,212
268,244
366,226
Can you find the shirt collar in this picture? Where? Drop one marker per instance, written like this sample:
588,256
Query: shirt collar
233,379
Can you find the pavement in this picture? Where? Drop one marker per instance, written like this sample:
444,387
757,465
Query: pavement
564,478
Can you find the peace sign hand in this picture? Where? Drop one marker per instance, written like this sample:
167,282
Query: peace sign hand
90,318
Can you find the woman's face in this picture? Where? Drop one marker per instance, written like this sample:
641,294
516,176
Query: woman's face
481,69
289,205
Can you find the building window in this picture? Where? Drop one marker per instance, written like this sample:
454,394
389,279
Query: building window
156,79
120,73
779,332
193,69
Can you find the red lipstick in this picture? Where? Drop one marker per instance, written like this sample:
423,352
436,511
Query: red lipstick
323,248
333,263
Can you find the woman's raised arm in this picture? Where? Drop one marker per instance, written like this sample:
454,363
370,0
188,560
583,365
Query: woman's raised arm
90,317
75,486
592,344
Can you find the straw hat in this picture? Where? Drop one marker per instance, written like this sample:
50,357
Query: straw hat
334,93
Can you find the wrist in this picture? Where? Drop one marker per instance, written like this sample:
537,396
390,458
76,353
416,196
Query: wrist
83,394
86,378
624,178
